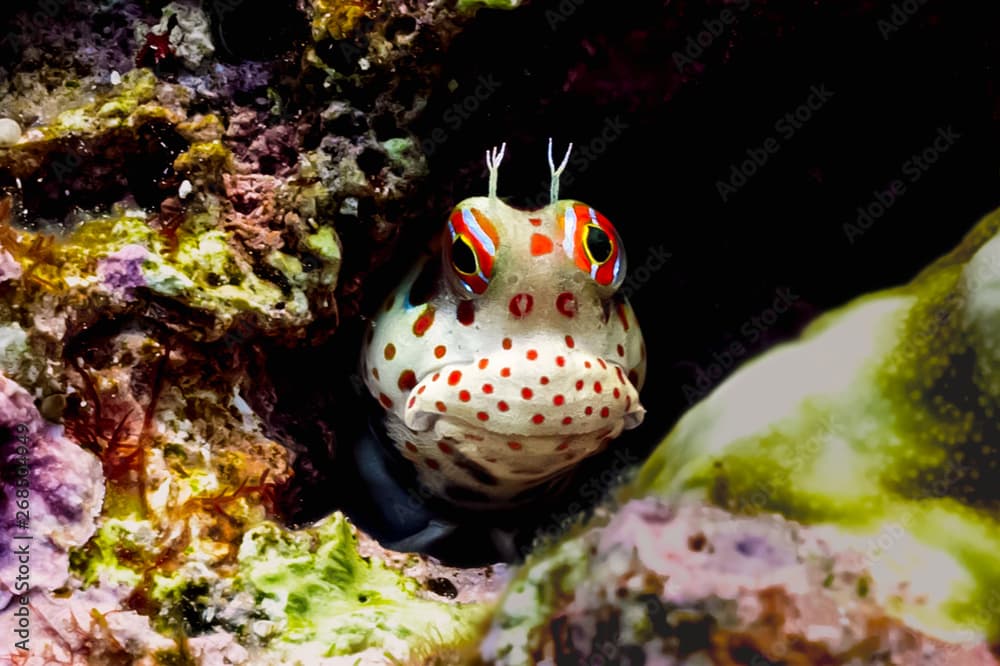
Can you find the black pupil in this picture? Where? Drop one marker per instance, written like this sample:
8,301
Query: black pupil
598,244
462,256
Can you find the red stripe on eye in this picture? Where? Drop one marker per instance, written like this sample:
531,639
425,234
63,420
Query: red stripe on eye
474,234
605,272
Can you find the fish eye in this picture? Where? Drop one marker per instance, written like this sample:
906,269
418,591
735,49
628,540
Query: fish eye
591,242
463,257
471,252
597,243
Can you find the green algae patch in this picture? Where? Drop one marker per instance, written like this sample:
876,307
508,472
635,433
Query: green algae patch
116,554
323,598
884,412
472,5
541,587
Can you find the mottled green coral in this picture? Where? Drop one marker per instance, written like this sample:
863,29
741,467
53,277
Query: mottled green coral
885,410
322,598
117,553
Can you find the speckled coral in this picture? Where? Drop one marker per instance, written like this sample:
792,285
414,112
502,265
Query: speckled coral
175,198
661,584
884,412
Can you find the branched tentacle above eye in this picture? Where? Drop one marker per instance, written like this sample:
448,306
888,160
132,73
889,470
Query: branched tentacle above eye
493,159
555,173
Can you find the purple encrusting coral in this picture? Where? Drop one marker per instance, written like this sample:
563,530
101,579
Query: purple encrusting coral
666,584
121,271
9,268
51,492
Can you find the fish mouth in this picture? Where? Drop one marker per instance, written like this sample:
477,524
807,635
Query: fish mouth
526,394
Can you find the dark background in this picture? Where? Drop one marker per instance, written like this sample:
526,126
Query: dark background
565,68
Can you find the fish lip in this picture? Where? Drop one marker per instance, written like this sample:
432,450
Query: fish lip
425,421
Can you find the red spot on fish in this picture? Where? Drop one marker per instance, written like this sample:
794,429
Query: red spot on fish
436,376
604,366
620,350
563,446
617,393
567,420
375,373
531,355
424,321
503,406
622,315
560,361
537,418
588,411
421,389
604,412
579,385
464,396
445,449
440,406
621,377
506,343
407,380
527,393
558,400
505,372
389,351
586,364
514,445
487,388
440,351
413,401
482,416
569,341
521,304
455,377
385,400
466,313
411,447
566,304
433,464
543,380
483,362
540,244
535,221
597,387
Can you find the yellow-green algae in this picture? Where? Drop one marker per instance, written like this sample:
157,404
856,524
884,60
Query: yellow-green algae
322,598
884,412
201,268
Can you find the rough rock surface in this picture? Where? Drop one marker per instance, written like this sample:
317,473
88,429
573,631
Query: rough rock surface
876,431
